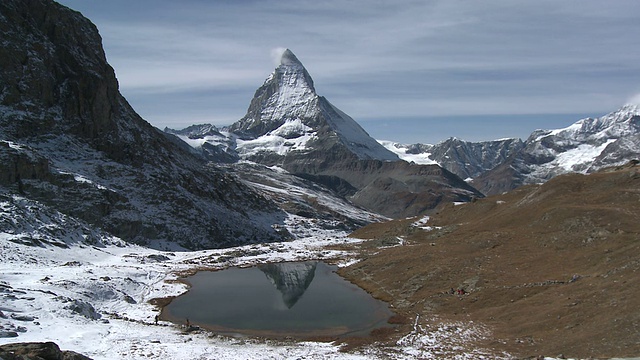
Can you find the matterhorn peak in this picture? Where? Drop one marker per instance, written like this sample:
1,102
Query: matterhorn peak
287,107
288,58
291,72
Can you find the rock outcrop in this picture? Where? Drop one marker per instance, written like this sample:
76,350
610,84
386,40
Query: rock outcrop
37,351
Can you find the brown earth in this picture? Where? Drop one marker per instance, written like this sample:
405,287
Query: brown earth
550,269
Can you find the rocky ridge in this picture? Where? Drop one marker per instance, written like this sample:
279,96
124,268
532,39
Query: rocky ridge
586,146
493,167
466,159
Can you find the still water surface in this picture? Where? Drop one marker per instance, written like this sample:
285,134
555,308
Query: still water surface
303,299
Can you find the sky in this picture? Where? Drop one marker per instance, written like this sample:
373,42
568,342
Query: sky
409,71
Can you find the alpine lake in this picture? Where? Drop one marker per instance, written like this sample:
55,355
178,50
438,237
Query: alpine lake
300,300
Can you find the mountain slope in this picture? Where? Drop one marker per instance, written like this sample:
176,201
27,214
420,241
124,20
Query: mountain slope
466,159
548,269
70,140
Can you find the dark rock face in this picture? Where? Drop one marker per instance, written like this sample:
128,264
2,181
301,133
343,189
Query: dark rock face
54,72
392,188
470,159
69,140
215,146
37,351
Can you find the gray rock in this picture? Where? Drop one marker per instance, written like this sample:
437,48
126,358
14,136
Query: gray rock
22,317
37,351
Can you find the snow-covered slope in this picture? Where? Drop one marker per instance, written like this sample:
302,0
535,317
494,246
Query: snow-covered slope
576,147
416,153
63,281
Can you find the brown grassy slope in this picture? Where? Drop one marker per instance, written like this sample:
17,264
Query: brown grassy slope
516,254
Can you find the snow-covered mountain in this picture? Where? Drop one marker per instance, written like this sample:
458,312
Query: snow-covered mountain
287,115
587,145
496,166
286,119
290,126
464,158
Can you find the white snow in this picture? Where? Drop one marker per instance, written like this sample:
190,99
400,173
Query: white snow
422,224
582,154
401,151
82,179
576,147
280,141
195,143
434,339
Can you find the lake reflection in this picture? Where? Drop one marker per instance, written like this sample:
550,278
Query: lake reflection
287,299
291,279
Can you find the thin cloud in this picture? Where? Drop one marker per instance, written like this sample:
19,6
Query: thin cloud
635,99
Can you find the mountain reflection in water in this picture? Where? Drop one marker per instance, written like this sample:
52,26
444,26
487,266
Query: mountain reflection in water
300,300
291,279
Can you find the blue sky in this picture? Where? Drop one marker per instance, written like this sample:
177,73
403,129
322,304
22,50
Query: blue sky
410,71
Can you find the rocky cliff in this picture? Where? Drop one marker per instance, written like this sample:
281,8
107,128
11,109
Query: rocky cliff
70,140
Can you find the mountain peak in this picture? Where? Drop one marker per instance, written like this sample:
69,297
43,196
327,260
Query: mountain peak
633,108
291,73
288,58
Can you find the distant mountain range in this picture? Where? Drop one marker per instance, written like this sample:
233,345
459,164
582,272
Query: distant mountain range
493,167
289,125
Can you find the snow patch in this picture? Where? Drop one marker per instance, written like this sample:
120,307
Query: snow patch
293,135
401,151
422,224
583,153
434,339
